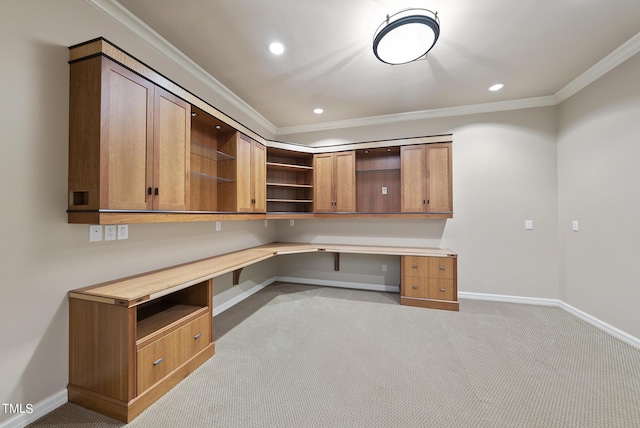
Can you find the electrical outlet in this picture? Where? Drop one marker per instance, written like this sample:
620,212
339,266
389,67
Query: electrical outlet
123,231
292,222
384,268
528,224
384,190
110,232
266,223
218,226
95,233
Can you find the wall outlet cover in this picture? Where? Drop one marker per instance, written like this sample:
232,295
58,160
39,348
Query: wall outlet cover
95,232
123,231
110,232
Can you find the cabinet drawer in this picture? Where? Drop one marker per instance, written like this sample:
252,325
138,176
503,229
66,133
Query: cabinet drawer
428,288
159,358
432,267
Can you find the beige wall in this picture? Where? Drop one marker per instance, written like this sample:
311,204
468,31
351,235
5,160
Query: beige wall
599,185
504,172
43,257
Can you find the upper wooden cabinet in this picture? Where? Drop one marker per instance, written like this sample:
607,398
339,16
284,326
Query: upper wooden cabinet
335,182
245,185
128,141
426,178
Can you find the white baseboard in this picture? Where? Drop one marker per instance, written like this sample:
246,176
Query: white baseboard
607,328
340,284
237,299
508,299
39,410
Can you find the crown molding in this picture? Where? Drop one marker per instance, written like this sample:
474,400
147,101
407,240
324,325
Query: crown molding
421,115
602,67
132,23
124,17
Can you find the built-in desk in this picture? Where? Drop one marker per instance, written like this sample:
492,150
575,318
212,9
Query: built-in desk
132,339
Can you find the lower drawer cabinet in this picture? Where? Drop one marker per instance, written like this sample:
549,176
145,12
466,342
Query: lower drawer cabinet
429,282
429,288
161,357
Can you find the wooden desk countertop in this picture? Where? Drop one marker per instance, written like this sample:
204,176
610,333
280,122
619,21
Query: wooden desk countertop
136,289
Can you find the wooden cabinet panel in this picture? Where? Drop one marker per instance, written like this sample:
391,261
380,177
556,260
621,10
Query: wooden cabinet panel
429,288
172,130
335,182
127,138
323,182
132,152
439,188
432,267
156,360
429,282
426,178
244,174
412,175
122,358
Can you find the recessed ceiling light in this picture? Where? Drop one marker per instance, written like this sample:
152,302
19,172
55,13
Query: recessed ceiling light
276,48
318,110
496,87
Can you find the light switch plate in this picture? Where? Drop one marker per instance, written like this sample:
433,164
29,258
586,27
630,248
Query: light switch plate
218,226
574,225
123,231
95,232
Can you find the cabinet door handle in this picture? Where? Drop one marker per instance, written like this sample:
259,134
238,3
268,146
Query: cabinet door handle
442,268
157,192
443,289
424,202
150,191
197,336
158,361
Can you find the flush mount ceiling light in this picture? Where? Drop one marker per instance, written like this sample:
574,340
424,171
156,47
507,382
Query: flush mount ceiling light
406,36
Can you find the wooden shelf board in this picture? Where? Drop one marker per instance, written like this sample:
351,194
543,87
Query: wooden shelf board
288,167
159,324
291,185
292,201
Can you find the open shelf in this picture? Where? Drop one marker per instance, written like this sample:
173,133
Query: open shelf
209,153
289,181
166,318
378,180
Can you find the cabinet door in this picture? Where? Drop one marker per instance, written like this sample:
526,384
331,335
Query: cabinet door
243,176
126,170
172,130
259,181
413,173
323,182
345,181
439,189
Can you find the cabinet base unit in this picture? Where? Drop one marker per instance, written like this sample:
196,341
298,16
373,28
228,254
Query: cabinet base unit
429,282
126,350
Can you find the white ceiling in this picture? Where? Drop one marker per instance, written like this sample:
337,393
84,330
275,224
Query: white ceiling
535,47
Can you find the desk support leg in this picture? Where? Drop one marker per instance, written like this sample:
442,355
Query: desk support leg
236,276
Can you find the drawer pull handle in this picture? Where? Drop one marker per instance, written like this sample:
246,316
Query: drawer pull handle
442,267
414,266
197,336
158,361
443,289
415,287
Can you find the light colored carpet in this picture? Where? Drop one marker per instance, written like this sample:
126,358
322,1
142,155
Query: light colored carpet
304,356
